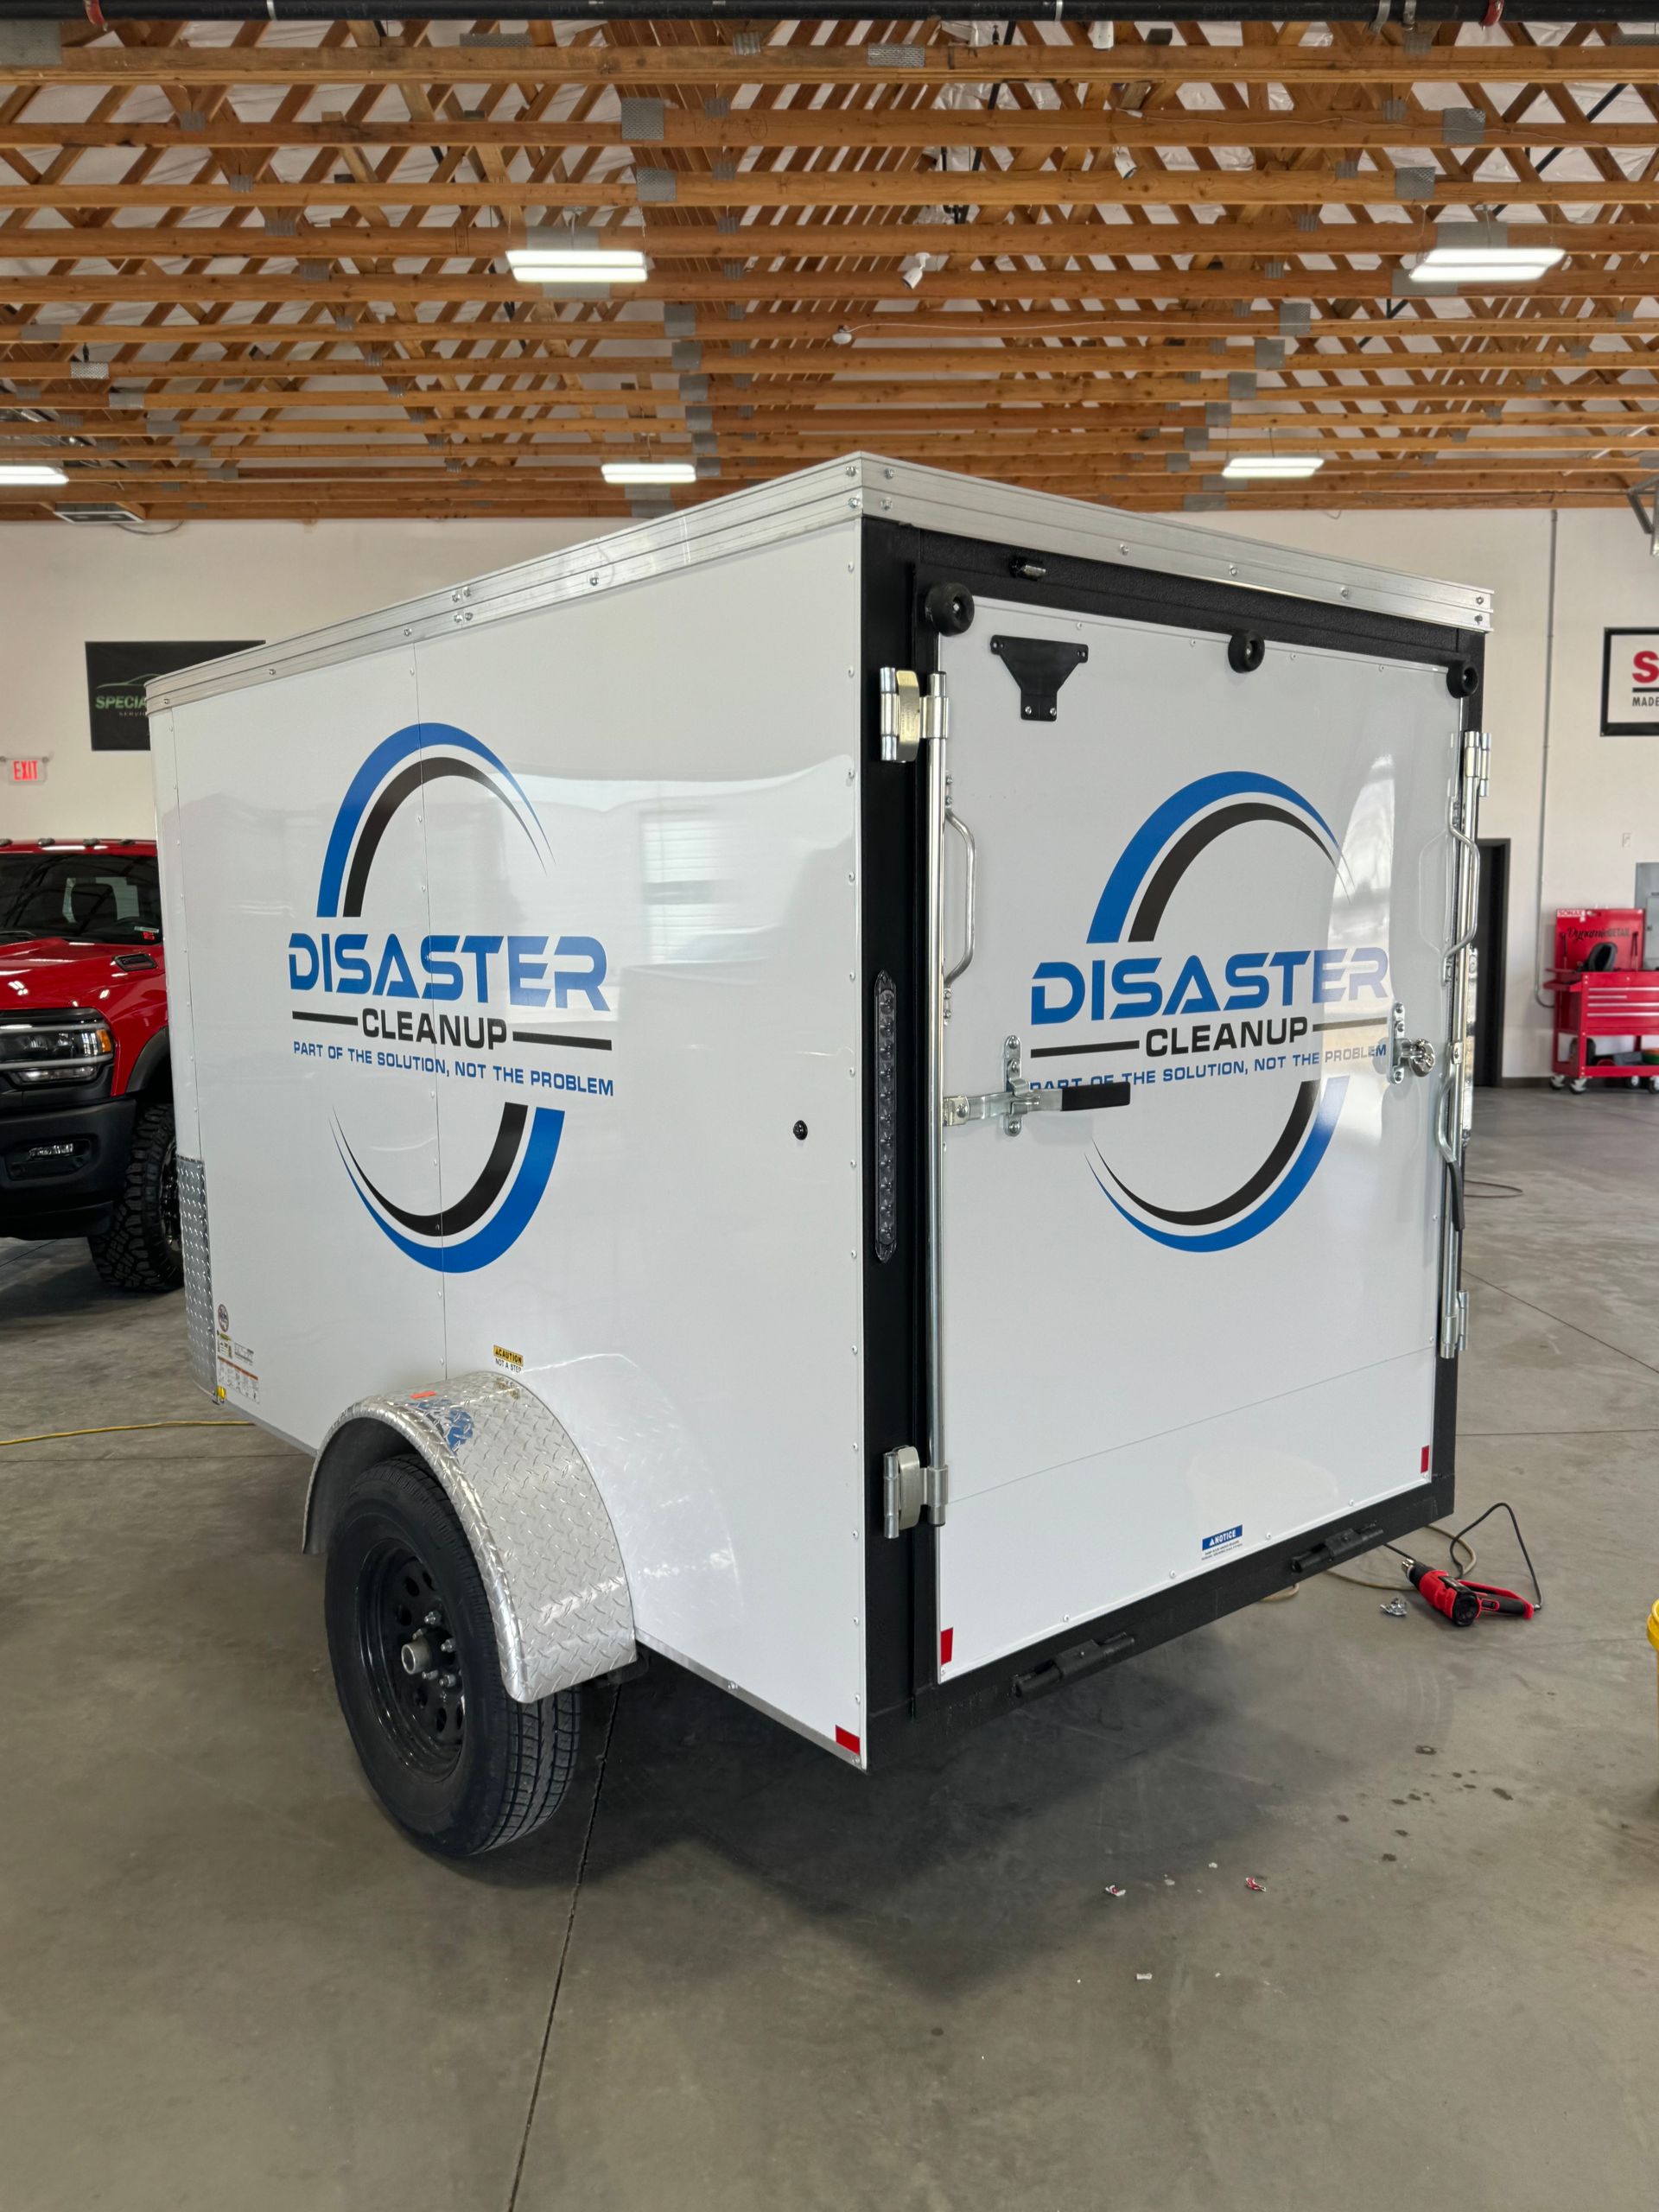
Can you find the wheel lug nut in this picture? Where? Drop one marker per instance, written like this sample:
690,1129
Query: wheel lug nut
448,1682
448,1645
434,1618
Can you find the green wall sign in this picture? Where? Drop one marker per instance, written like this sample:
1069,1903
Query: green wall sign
116,675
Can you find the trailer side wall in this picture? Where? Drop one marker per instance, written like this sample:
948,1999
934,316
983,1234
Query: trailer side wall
525,988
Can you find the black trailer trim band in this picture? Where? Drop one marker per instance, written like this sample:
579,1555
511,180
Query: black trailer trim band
1092,1646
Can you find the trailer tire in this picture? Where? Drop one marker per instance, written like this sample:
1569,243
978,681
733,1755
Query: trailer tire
141,1249
458,1763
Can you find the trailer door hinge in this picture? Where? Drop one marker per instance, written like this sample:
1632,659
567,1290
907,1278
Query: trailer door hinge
909,1490
1455,1325
910,717
1477,758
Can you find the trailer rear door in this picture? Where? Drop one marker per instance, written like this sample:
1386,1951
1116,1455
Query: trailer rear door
1184,1328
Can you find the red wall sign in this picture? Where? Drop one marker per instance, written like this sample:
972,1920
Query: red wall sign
1630,684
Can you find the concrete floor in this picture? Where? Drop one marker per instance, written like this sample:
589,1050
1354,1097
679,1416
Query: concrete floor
738,1977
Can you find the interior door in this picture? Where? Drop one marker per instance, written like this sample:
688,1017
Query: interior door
1182,1328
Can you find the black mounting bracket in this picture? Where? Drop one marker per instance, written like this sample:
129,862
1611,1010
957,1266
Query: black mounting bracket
1038,666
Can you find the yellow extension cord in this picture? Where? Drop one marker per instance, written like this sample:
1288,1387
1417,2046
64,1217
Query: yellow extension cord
116,1428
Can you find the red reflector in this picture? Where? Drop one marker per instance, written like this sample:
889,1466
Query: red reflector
846,1738
1425,1458
947,1638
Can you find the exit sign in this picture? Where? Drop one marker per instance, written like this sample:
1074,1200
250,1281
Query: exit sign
28,771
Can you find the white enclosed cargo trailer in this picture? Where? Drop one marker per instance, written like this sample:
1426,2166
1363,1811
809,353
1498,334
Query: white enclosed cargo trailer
862,1087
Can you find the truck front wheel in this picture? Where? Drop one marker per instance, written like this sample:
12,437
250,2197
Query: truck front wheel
141,1249
459,1763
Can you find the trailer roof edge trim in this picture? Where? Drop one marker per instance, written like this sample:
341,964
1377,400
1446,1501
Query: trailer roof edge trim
814,498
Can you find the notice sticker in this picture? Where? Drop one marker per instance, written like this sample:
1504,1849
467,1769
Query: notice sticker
1223,1541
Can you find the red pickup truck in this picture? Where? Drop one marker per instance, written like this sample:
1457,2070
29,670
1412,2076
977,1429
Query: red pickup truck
86,1084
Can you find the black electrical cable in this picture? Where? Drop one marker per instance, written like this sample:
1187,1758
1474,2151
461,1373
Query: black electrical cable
1504,1506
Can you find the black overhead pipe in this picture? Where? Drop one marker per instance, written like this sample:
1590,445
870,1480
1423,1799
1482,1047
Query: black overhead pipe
1401,12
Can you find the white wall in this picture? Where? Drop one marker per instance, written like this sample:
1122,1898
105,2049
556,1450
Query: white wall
60,587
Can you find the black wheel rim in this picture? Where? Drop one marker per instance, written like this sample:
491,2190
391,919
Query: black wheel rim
409,1656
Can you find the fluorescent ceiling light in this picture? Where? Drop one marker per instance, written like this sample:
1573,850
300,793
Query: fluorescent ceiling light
31,471
1482,264
649,471
574,257
537,267
1285,465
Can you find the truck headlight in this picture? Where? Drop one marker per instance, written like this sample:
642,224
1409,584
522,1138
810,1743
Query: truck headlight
55,1048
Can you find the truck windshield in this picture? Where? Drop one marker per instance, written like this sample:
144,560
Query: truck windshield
98,897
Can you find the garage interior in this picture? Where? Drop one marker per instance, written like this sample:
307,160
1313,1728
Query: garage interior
1325,1895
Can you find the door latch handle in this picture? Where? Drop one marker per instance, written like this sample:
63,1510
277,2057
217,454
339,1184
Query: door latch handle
1406,1055
954,821
1017,1098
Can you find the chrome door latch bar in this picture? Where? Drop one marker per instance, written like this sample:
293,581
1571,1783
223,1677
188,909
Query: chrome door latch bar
1017,1097
1406,1055
1451,1109
910,717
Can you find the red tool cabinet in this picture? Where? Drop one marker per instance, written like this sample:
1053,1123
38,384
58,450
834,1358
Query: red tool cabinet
1617,1001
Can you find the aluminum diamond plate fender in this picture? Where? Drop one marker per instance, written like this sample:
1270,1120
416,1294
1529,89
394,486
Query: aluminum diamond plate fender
199,1325
523,1492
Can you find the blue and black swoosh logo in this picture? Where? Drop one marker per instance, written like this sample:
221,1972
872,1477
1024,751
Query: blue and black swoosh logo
399,766
1130,911
493,1213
